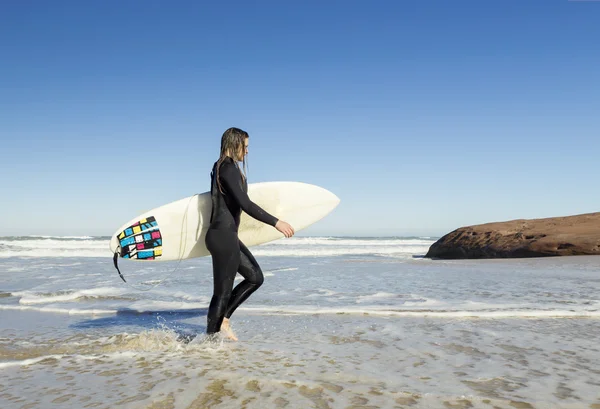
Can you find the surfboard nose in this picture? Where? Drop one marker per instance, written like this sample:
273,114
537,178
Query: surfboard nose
334,199
330,197
337,199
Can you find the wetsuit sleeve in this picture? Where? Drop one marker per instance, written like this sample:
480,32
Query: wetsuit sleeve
230,178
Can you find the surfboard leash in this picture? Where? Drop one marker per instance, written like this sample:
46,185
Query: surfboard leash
116,263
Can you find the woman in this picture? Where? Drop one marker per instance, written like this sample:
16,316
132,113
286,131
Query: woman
229,191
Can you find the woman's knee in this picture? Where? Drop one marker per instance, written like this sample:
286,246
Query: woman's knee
254,276
258,278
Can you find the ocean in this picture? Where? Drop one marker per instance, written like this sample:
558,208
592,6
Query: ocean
340,322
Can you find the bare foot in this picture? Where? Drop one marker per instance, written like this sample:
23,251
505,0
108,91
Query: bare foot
227,331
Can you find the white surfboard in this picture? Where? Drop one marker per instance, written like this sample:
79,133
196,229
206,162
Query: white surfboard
176,231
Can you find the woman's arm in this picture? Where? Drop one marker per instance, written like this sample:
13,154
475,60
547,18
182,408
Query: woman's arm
230,178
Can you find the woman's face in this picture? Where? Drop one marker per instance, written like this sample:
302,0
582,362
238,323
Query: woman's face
243,151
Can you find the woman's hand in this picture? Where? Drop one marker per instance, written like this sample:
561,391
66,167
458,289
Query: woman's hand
285,228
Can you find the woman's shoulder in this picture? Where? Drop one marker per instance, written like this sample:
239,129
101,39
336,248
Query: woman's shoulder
227,161
226,165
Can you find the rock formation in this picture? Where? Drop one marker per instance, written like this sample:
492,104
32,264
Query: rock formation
555,236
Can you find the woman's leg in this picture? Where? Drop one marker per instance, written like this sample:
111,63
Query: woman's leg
253,278
224,248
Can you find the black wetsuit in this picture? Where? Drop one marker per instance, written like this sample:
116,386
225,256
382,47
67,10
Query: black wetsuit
229,254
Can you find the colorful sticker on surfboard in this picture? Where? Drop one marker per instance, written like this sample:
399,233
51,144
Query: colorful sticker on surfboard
142,240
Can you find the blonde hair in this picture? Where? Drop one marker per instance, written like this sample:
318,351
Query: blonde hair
232,141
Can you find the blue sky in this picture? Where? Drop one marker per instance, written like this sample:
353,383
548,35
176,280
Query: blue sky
421,116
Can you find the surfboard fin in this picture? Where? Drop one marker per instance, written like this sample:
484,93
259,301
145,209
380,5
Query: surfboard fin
115,262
